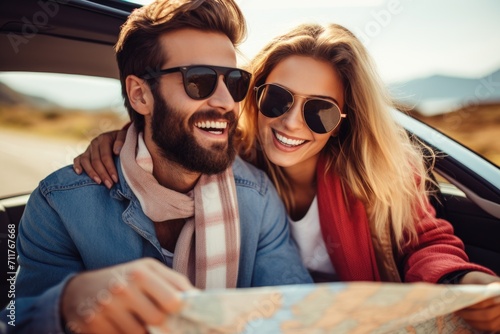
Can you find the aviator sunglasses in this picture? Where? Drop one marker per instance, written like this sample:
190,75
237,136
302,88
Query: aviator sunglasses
200,81
320,115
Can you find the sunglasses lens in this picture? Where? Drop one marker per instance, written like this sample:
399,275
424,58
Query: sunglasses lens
237,83
200,82
273,101
321,116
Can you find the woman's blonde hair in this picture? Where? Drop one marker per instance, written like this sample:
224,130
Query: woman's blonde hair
374,156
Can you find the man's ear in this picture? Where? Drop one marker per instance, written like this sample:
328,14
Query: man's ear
139,95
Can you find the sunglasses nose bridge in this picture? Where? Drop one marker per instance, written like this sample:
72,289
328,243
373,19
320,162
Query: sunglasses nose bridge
222,82
294,117
221,96
299,101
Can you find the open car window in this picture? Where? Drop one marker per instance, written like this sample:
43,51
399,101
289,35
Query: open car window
46,119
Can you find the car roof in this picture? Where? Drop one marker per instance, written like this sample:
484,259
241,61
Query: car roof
64,36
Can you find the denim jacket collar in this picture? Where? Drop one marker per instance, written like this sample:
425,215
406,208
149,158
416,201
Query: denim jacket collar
133,216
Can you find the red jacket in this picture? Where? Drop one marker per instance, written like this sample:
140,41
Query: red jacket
358,254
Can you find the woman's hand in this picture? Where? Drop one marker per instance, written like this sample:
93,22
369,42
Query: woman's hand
97,160
486,314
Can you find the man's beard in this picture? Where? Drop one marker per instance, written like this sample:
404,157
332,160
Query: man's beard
179,144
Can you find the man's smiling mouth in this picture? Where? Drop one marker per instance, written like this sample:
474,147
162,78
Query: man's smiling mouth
214,127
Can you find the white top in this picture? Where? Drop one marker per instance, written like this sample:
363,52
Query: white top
307,234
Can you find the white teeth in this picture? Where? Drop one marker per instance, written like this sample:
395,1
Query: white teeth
211,125
288,141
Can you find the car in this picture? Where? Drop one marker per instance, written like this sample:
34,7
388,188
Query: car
76,37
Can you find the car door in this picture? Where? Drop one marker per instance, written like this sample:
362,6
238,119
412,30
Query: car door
469,192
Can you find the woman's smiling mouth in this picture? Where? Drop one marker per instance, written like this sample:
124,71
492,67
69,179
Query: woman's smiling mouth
286,141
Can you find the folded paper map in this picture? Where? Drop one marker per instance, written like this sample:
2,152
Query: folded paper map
357,307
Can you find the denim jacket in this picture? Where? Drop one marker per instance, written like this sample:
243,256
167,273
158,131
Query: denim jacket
72,224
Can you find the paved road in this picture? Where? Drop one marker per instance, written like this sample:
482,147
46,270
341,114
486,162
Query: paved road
25,159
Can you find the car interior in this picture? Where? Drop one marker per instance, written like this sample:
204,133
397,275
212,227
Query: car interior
77,36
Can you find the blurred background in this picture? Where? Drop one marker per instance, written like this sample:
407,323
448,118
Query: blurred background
440,60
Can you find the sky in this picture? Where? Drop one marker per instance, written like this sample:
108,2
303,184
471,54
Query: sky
407,39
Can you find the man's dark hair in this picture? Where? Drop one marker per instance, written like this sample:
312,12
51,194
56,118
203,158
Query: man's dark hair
138,50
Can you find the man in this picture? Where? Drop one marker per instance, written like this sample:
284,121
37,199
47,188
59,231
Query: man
97,260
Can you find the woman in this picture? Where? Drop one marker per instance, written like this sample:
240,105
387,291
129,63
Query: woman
354,184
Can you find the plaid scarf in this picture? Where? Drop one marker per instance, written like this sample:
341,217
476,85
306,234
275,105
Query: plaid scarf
208,248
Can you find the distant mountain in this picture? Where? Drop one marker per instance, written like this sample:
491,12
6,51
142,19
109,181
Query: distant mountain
9,96
439,93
